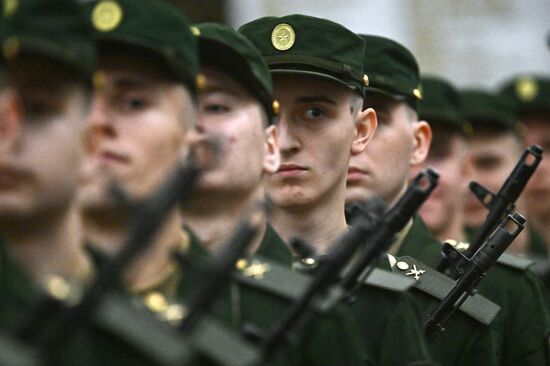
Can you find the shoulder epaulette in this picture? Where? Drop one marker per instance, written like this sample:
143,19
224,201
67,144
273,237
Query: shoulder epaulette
438,285
267,275
388,281
514,261
168,347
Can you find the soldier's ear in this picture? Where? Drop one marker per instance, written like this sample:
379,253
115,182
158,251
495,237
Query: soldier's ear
272,156
11,118
422,138
365,127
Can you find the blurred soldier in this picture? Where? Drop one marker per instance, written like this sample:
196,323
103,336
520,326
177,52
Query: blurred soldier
494,146
401,143
319,81
443,212
142,108
531,97
510,275
44,101
237,108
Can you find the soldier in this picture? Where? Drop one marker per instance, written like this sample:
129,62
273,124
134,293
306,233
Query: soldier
319,81
46,74
494,145
443,212
401,143
237,107
487,144
142,108
531,96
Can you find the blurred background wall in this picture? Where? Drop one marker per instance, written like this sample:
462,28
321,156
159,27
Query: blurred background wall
471,42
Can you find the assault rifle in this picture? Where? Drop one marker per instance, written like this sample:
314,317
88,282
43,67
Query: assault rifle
501,203
471,271
392,222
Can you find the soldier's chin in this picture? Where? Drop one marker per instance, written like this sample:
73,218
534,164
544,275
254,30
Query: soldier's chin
357,194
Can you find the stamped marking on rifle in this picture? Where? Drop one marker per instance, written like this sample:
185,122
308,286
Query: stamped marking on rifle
416,272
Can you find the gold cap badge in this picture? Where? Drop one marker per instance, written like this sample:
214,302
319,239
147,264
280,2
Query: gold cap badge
10,48
527,89
283,37
10,6
106,16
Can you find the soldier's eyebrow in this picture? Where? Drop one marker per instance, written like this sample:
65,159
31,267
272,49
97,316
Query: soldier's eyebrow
315,99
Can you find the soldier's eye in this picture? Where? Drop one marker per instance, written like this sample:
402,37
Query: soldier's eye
487,162
134,103
36,106
216,108
314,113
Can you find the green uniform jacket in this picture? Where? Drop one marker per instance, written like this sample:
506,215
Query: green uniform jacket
90,345
466,341
520,330
390,325
326,339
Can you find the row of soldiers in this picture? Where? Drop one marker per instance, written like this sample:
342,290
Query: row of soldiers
175,194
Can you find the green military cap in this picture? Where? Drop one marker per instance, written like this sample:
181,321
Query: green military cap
55,29
392,69
152,26
482,108
307,45
227,49
529,93
440,102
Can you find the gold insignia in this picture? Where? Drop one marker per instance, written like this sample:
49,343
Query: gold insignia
415,272
309,262
10,6
241,264
156,302
99,80
418,93
468,128
10,48
283,37
276,107
200,82
459,245
196,31
365,80
527,89
63,290
402,265
175,313
256,269
106,16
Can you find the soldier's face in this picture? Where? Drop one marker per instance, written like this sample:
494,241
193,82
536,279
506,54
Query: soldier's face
537,192
448,155
137,127
400,143
317,135
248,148
491,158
42,115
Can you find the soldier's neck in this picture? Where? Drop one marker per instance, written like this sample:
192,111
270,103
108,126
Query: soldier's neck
109,233
51,244
214,217
319,224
